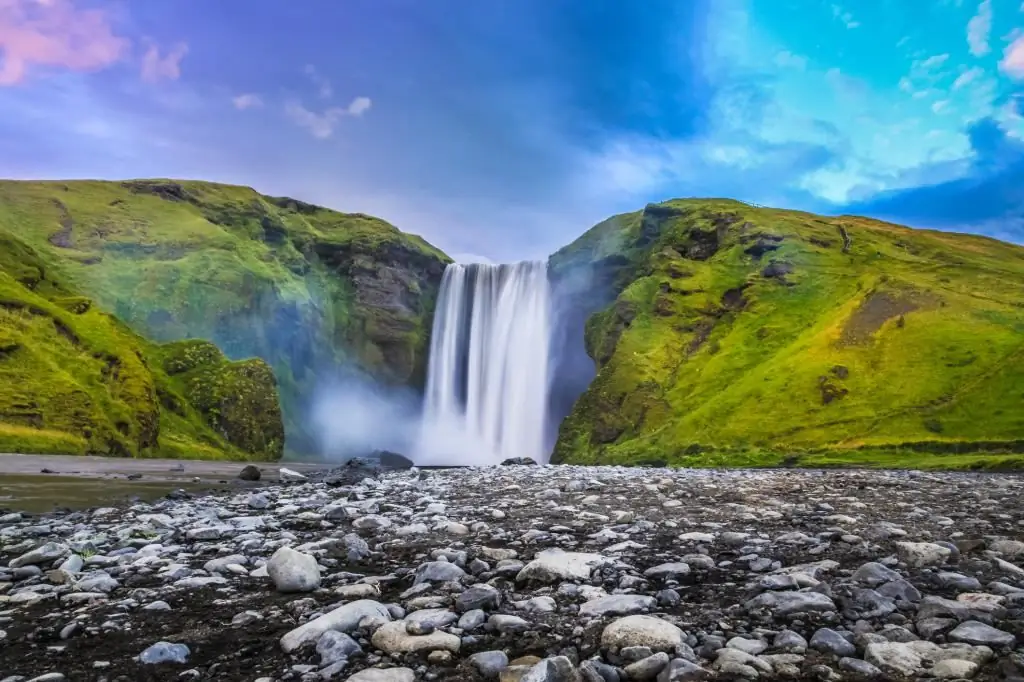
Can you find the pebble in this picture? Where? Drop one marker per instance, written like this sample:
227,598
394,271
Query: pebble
165,652
614,574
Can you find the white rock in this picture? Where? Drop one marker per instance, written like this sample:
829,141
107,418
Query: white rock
921,554
618,605
44,554
393,638
412,529
954,669
900,658
293,571
342,619
659,635
357,591
553,565
290,475
384,675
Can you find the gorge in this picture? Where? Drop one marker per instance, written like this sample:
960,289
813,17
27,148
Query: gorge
692,332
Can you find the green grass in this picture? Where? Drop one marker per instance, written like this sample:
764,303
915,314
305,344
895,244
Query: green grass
305,288
75,380
854,356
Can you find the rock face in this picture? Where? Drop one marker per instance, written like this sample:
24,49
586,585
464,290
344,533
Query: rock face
75,380
792,576
696,311
302,287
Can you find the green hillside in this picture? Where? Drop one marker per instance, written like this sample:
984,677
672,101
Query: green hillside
307,289
743,335
74,380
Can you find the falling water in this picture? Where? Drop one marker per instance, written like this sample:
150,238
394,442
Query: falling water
487,379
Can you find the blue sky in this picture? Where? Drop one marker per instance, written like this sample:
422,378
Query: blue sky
505,128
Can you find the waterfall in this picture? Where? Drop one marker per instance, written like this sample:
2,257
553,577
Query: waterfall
487,377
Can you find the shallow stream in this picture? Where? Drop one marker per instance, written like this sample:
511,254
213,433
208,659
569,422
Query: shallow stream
83,482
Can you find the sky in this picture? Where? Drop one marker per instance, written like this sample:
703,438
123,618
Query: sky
503,129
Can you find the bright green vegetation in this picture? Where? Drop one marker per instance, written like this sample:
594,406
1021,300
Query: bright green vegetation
307,289
75,380
741,335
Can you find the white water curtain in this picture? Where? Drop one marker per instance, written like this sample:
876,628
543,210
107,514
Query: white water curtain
487,379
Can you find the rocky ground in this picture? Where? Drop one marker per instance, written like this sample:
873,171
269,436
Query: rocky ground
537,574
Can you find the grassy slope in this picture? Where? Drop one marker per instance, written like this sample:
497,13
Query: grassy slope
75,380
303,287
906,348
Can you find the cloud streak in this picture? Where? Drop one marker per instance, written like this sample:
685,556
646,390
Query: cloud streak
54,33
156,68
324,88
321,125
1012,63
979,28
247,101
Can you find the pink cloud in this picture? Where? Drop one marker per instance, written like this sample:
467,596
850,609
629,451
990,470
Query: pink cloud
155,67
54,33
1013,59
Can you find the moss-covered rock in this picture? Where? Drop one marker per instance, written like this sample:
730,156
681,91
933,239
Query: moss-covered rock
307,289
238,399
728,334
75,380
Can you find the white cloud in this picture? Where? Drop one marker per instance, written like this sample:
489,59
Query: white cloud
156,67
844,16
323,85
967,77
933,62
924,74
787,59
979,28
1012,63
247,101
940,106
321,125
359,106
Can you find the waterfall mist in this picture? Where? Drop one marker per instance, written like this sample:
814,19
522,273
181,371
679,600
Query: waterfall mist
352,416
487,384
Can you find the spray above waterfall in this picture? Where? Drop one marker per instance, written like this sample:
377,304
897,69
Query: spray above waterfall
487,381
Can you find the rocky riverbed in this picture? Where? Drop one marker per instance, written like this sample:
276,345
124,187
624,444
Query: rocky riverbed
530,574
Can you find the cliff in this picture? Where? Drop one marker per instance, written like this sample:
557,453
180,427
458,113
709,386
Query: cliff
75,380
723,333
309,290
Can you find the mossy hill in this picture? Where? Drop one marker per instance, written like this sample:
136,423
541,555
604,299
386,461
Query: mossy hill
75,380
729,334
307,289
